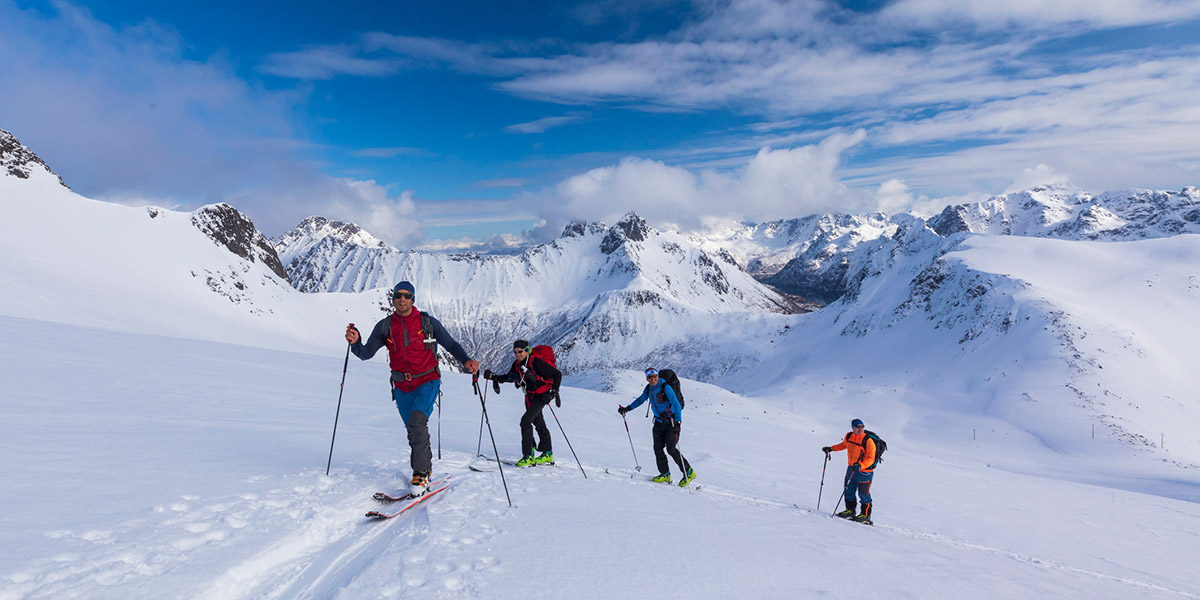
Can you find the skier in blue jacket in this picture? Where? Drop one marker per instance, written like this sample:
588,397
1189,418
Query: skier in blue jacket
668,421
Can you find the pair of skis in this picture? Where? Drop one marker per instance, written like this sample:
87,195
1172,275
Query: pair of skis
410,500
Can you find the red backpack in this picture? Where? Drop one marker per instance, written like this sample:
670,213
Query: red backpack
546,355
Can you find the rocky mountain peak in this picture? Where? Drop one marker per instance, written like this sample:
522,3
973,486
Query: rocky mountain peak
229,228
631,227
582,228
320,227
16,160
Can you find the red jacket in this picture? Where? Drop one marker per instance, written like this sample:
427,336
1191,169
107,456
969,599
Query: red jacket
408,354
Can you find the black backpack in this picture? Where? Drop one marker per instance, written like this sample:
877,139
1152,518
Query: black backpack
670,378
880,445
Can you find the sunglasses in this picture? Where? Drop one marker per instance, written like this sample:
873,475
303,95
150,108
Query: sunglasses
405,295
652,377
518,351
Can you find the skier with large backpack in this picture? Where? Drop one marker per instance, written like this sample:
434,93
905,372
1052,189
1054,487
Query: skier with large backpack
533,370
668,422
411,337
864,451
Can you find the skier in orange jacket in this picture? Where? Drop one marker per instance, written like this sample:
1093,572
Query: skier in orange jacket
861,458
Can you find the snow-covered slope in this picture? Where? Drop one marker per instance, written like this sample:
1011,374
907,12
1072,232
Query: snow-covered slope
202,467
1065,341
207,274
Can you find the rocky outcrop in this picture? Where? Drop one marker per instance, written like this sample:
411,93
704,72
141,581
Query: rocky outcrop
231,229
18,161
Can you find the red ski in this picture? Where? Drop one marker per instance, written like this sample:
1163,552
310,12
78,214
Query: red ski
414,501
384,497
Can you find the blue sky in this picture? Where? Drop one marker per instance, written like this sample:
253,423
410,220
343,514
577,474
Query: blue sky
482,123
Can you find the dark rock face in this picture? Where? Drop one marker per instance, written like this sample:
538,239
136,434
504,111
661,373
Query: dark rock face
634,227
949,222
17,160
229,228
631,227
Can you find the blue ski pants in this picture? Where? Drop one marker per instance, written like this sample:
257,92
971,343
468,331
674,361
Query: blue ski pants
860,482
415,408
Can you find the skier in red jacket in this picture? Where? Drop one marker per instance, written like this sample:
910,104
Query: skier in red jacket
541,381
411,338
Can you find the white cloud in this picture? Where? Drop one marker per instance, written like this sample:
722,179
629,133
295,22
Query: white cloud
772,184
1039,175
988,14
541,125
123,116
327,62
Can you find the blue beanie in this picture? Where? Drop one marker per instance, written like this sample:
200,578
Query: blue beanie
856,423
404,285
650,372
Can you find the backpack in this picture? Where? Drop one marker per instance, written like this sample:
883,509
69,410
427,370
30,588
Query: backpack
546,355
880,445
670,378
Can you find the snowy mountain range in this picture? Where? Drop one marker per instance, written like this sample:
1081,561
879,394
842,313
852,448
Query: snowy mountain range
1028,360
603,296
628,295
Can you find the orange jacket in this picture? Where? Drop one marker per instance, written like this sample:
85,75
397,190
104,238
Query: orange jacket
858,451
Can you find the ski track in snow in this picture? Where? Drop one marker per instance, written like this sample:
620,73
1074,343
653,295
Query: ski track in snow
328,545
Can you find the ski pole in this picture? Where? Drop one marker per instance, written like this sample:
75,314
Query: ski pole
822,492
564,432
439,403
849,482
483,403
479,444
345,364
627,434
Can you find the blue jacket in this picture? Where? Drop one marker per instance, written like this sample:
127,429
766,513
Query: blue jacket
664,408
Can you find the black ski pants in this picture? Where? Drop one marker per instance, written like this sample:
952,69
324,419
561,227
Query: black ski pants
666,435
531,420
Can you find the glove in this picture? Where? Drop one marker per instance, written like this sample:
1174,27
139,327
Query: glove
496,386
855,467
557,399
826,449
621,410
488,374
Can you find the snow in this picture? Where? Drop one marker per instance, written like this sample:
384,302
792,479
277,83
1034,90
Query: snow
148,466
168,410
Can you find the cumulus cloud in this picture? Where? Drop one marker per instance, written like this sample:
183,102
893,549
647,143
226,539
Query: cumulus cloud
774,183
915,74
1039,175
123,116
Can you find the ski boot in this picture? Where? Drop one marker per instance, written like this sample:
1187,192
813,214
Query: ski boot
419,484
687,477
662,478
527,461
865,516
545,458
848,513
